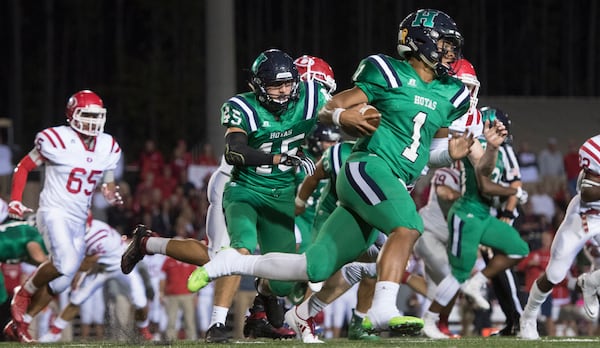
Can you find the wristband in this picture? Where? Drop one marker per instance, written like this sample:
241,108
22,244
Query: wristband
300,202
335,117
519,192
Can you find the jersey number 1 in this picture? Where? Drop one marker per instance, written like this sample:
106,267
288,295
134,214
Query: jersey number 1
411,151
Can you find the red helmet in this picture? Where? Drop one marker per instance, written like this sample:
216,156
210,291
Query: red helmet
464,71
315,68
86,113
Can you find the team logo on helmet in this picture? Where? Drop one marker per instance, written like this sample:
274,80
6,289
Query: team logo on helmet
425,18
258,61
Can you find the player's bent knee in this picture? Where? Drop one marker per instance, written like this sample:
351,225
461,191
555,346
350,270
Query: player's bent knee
321,263
280,288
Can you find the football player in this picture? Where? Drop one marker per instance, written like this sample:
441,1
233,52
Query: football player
321,138
505,208
19,241
580,225
444,190
77,158
372,188
470,224
103,249
265,130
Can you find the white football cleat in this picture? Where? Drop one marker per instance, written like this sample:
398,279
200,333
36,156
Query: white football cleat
305,328
590,295
473,287
430,328
50,337
529,329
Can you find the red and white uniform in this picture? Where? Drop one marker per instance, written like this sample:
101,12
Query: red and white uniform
72,170
434,220
156,310
581,222
104,240
470,121
71,175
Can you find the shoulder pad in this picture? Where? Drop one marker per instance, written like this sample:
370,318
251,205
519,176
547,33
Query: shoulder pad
378,70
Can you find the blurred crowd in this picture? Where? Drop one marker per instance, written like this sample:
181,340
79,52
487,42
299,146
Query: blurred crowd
161,191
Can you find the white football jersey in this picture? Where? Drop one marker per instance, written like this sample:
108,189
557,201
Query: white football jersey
224,166
433,217
154,265
106,241
589,159
72,171
469,121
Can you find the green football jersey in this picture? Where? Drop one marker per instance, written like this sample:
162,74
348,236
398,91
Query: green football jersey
472,200
305,220
14,236
412,111
275,134
333,162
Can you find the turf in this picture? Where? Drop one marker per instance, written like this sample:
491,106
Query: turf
478,342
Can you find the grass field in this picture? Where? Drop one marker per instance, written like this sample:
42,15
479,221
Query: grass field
478,342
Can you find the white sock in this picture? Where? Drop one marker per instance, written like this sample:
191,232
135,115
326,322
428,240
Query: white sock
277,266
302,310
60,323
535,300
315,305
157,245
140,324
232,263
385,295
431,316
281,266
29,287
219,315
359,314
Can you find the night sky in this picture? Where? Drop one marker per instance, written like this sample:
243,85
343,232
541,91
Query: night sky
146,58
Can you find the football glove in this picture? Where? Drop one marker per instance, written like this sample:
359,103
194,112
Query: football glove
298,160
112,197
17,210
521,195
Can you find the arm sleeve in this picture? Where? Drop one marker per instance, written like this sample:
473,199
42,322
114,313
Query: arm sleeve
238,153
438,153
28,163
